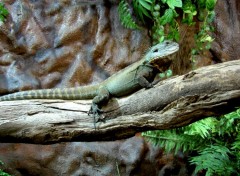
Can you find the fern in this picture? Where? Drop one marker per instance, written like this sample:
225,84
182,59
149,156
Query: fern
143,8
236,144
214,139
203,128
3,12
173,140
163,14
2,173
214,159
167,17
125,16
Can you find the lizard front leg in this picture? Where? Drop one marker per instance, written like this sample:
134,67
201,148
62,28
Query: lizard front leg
145,76
102,97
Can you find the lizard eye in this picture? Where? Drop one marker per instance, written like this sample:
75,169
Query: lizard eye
156,50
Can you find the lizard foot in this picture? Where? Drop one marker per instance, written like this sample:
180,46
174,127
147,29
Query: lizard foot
96,114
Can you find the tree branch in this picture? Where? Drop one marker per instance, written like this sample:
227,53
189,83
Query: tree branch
175,102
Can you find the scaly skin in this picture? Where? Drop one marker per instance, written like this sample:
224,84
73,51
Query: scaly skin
126,81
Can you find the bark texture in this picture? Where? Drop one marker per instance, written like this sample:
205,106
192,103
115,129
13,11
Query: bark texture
174,102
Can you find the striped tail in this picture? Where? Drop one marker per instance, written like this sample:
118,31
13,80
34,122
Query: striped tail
78,93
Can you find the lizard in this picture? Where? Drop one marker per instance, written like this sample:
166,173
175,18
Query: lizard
126,81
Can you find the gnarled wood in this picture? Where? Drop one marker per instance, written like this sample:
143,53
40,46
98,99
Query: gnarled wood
175,102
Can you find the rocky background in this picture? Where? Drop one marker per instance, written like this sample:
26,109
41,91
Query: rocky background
65,43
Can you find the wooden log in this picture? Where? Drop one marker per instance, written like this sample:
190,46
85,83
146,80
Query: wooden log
174,102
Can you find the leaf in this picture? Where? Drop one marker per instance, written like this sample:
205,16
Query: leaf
3,12
142,8
211,16
190,11
162,75
169,73
125,16
167,17
210,4
174,3
177,36
162,38
2,18
214,159
202,15
201,3
188,7
236,144
145,4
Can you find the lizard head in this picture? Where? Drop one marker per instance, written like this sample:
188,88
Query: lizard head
158,55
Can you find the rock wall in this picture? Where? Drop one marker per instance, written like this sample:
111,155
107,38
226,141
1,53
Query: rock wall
64,43
67,43
128,157
227,31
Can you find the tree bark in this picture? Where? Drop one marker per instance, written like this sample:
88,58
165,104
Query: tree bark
174,102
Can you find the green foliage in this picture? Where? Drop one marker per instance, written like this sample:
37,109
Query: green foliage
166,74
2,173
125,16
210,4
215,159
216,140
142,8
3,12
164,13
174,3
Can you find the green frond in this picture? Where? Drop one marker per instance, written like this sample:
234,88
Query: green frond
163,16
143,8
173,140
167,16
236,144
3,12
229,123
215,140
203,128
214,159
125,16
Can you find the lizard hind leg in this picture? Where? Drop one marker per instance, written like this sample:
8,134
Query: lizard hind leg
102,97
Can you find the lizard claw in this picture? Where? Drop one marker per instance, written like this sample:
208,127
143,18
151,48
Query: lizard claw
96,111
150,85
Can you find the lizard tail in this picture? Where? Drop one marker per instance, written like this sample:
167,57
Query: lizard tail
77,93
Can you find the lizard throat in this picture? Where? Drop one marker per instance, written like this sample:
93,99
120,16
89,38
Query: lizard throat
162,64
